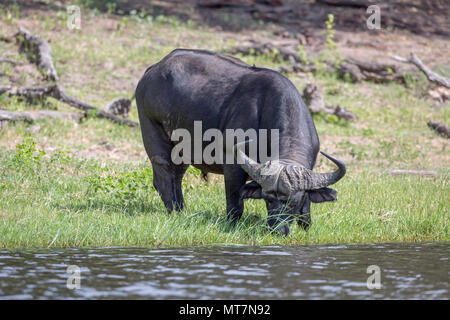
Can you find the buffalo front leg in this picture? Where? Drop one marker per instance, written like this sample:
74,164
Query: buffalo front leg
235,178
304,219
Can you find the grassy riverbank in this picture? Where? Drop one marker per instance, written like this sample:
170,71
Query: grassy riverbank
89,183
65,202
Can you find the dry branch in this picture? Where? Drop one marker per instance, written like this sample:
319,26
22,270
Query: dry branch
414,172
287,53
38,51
31,116
62,96
440,128
32,95
6,60
243,4
313,98
431,76
5,39
56,92
224,3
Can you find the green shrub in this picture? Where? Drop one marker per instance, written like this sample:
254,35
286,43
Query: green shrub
27,155
125,186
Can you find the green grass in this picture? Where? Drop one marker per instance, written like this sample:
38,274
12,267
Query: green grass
68,202
93,186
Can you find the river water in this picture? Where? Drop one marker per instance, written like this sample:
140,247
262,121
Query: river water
402,271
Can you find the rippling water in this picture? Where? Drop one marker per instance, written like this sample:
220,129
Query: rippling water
407,271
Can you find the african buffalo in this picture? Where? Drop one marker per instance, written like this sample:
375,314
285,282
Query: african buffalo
224,92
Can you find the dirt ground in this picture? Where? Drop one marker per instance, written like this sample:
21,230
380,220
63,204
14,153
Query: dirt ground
426,33
419,26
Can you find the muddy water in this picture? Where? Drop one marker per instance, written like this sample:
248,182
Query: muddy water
402,271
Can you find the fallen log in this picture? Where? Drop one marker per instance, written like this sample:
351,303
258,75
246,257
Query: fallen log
242,4
224,3
5,39
296,67
351,70
3,89
370,71
357,70
313,98
32,95
431,76
347,3
57,93
440,128
38,51
414,172
372,66
32,116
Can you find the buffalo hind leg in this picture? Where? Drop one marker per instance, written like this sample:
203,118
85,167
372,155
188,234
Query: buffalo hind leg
180,170
167,176
167,180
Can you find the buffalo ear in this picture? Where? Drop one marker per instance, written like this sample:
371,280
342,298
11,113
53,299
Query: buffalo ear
251,190
322,195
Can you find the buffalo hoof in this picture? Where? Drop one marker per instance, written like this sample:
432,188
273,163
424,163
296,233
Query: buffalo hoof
304,222
284,229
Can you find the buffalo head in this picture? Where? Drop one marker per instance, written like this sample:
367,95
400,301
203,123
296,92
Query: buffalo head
287,187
